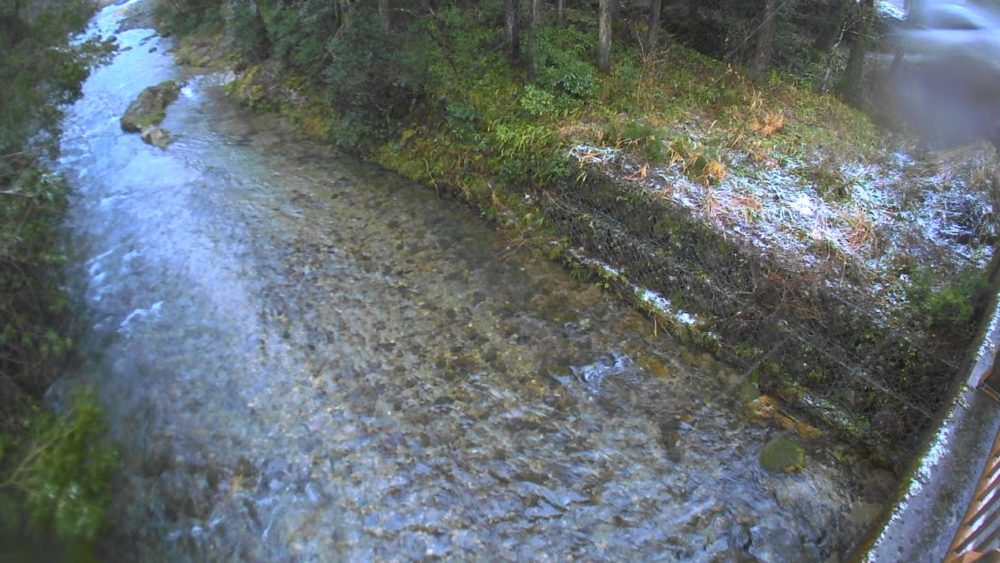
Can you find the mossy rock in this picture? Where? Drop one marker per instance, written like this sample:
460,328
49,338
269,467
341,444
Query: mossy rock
782,455
654,366
150,107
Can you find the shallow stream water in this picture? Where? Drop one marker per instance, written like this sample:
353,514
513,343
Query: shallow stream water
306,358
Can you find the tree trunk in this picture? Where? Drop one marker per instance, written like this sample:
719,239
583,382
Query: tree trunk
655,11
833,25
854,74
604,45
263,41
914,18
383,15
765,42
513,30
561,10
533,31
343,11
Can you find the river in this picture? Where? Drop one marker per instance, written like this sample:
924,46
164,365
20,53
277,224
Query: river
306,358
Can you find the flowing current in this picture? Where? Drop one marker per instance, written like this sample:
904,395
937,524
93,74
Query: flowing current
304,357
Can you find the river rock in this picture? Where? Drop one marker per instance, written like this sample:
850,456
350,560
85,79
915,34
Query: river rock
156,136
775,544
150,107
782,455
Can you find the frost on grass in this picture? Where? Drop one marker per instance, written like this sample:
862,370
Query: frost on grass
860,226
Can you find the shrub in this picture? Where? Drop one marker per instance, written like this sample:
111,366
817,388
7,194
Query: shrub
54,476
641,137
190,16
36,75
251,39
464,121
300,32
370,79
31,301
537,103
564,67
53,469
949,310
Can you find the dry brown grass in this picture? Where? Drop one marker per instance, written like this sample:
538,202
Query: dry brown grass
748,205
862,231
640,174
769,123
714,172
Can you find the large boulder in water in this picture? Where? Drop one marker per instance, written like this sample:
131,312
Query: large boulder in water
150,107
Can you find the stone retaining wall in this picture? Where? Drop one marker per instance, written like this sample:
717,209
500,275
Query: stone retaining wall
828,355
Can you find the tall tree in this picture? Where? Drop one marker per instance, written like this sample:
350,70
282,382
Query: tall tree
383,15
655,11
861,39
561,13
12,28
765,41
604,39
833,14
512,27
533,31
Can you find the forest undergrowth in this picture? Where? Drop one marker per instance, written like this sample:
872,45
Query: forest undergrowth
54,466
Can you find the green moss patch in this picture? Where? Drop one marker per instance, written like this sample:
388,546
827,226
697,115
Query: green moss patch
782,455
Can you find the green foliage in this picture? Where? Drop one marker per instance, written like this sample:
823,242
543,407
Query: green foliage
299,32
464,121
559,166
38,72
949,310
185,17
537,102
564,67
54,474
368,80
523,148
53,469
620,89
250,34
31,301
640,137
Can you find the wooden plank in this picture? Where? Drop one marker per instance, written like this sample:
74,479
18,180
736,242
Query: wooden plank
980,528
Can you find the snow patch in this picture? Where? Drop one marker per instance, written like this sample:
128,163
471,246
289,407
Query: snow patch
827,218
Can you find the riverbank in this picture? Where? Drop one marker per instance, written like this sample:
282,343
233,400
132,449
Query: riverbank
55,463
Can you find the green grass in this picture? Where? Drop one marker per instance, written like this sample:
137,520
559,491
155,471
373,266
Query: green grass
677,101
